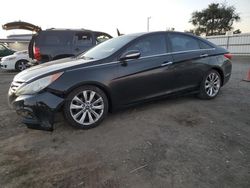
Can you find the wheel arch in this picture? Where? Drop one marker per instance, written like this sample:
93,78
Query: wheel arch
20,60
98,85
220,71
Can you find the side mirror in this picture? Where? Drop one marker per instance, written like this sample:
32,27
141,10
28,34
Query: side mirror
133,54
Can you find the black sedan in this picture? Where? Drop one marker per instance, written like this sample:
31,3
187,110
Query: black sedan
118,73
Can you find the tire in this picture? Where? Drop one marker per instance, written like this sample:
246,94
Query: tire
21,65
210,85
84,102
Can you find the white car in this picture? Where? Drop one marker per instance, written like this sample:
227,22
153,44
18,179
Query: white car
17,61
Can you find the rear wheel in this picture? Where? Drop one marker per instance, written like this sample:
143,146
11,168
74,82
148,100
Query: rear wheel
86,107
210,85
21,65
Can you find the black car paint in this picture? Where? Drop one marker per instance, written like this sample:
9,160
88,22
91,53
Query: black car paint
53,51
124,82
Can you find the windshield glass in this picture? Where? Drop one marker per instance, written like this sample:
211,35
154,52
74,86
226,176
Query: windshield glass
107,48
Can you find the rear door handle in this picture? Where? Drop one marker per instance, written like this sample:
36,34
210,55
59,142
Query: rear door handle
204,55
166,63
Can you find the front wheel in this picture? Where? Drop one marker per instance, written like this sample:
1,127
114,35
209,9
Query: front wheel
86,107
21,65
210,85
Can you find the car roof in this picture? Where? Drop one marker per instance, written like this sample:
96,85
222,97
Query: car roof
73,30
152,32
175,32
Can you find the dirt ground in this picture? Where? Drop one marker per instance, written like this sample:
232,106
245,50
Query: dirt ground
178,142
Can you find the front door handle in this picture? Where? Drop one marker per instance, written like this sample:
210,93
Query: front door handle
166,63
204,55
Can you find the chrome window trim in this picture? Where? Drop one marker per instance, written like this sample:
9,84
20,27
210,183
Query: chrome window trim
179,52
169,53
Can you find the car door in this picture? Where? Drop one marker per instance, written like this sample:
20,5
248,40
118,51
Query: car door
83,41
188,60
149,75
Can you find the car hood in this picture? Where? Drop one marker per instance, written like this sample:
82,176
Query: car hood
45,69
8,56
21,52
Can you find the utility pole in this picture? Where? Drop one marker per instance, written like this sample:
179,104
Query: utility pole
148,18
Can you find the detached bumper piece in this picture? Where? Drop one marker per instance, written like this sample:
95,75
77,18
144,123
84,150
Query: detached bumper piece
37,110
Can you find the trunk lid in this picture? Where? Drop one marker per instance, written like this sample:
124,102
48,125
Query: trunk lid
21,25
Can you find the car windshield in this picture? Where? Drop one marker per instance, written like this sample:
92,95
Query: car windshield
2,47
107,48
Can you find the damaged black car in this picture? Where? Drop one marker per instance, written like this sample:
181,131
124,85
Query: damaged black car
117,73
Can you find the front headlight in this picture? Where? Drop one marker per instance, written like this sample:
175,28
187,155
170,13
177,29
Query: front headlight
38,85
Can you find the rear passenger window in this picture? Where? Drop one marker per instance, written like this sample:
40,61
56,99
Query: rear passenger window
150,45
204,45
181,42
56,38
101,38
83,39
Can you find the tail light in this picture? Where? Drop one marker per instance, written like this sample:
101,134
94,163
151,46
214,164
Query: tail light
36,52
228,56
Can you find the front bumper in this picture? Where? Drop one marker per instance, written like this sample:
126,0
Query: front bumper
7,65
1,65
38,110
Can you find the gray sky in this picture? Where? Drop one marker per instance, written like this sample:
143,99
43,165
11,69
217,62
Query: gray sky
107,15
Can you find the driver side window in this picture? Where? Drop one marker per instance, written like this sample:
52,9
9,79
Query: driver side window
150,45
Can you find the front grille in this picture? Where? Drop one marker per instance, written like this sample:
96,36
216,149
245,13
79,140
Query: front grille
15,85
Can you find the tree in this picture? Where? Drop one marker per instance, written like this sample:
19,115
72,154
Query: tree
217,19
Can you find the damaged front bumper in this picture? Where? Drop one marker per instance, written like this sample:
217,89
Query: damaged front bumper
37,110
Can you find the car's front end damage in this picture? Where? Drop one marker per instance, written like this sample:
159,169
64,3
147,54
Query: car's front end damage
35,104
33,94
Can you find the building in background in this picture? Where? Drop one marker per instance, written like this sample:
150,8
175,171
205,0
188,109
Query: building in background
17,42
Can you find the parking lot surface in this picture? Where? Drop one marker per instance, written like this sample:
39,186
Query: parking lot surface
175,142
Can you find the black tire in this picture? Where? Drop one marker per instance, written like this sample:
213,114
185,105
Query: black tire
19,63
69,112
204,93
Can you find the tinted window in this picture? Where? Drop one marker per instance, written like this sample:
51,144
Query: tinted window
83,39
204,45
101,38
1,47
107,48
150,45
56,38
181,42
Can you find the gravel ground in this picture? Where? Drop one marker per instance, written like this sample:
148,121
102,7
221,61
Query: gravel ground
176,142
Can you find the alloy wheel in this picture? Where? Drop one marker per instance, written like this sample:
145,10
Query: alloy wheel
212,84
87,107
21,66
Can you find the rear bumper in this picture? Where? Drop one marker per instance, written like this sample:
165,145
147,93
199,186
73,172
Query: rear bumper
226,78
38,110
227,70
